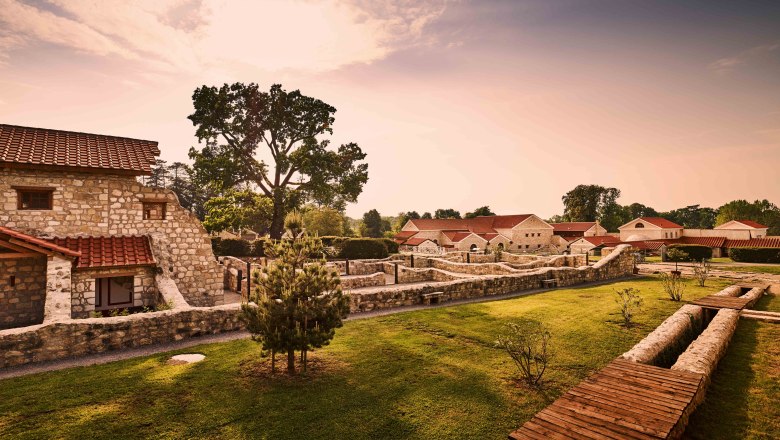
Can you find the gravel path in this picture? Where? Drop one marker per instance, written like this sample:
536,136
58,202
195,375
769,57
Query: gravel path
103,358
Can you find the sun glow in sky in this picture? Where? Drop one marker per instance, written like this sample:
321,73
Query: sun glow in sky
457,103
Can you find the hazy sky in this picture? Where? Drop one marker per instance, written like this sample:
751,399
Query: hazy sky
457,103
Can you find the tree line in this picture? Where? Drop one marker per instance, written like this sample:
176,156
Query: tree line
587,203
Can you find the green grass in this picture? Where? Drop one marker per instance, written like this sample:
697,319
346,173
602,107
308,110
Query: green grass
768,303
431,374
721,260
775,270
742,401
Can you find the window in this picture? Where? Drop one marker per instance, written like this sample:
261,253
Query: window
154,210
526,235
639,225
527,246
34,198
113,292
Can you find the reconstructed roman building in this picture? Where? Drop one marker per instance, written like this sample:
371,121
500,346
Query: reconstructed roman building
80,234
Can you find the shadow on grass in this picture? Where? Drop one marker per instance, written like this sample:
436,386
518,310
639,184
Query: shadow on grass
724,413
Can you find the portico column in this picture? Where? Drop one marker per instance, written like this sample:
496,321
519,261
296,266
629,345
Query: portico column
57,305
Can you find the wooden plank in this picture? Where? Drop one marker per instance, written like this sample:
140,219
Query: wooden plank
536,427
524,433
684,383
629,398
636,404
624,411
651,383
584,427
677,376
616,430
650,393
9,255
594,413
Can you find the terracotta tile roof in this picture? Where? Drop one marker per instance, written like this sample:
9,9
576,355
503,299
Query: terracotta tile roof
478,225
661,222
458,236
766,242
39,147
415,241
572,226
713,242
38,242
602,239
750,223
109,251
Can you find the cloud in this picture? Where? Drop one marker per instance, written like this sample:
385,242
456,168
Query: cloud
726,65
169,36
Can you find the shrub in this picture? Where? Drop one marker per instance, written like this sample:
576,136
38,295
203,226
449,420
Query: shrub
676,255
234,247
528,344
701,271
390,244
755,255
695,252
357,248
674,285
630,304
257,247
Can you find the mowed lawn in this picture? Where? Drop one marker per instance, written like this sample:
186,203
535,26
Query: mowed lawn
432,374
774,269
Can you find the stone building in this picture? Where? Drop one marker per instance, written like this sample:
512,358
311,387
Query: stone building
524,233
80,234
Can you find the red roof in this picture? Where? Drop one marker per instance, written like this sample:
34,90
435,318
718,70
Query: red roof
479,225
415,241
661,222
41,148
573,226
713,242
752,224
767,242
109,251
602,239
403,235
38,242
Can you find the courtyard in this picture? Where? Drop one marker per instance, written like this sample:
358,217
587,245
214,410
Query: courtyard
425,374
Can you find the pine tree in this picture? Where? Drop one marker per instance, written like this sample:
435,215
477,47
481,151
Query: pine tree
298,302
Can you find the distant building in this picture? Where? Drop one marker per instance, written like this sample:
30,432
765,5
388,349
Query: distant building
574,230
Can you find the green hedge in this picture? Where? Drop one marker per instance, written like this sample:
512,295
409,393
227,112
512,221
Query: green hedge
755,255
238,248
390,244
696,252
356,248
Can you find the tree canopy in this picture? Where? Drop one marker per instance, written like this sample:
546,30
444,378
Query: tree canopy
323,221
480,212
446,213
238,121
761,211
237,210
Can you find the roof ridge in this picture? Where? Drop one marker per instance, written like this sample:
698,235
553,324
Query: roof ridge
79,132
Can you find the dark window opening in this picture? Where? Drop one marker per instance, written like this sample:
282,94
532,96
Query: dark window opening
34,198
12,280
154,211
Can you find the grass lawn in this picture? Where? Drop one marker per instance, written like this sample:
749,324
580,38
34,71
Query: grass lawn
768,303
742,401
431,374
775,270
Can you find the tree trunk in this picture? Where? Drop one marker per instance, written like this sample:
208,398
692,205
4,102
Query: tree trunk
277,220
273,361
291,361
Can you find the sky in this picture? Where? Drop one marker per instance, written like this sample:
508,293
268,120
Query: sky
457,104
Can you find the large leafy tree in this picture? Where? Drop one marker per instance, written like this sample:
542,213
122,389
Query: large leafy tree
636,210
694,217
482,211
446,213
237,210
239,121
373,225
761,211
588,203
323,221
297,302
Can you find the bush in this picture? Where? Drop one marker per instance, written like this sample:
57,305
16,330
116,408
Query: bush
528,344
390,244
258,248
232,247
674,285
630,303
701,271
357,248
696,252
755,255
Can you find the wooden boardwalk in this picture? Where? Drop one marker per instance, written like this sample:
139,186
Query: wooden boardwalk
722,302
624,400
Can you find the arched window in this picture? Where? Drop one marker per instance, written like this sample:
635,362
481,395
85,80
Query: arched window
640,225
501,246
473,248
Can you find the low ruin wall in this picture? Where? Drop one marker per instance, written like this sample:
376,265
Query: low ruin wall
96,335
617,265
375,279
408,275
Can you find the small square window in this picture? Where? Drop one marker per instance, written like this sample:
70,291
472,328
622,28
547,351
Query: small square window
34,198
154,211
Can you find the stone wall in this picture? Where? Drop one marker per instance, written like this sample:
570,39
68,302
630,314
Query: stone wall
81,337
102,204
83,289
473,269
358,281
617,265
22,303
668,340
408,275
